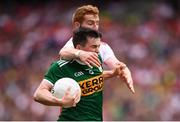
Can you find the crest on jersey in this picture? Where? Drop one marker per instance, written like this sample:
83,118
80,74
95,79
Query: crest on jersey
90,71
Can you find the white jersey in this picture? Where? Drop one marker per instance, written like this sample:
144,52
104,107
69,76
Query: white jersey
105,50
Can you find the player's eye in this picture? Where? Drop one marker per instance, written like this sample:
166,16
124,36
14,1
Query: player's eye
95,46
90,23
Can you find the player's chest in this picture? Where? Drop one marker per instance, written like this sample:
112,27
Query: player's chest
81,72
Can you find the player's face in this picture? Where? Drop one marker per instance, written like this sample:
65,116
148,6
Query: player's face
92,45
91,21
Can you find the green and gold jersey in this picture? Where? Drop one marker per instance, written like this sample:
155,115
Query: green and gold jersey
91,84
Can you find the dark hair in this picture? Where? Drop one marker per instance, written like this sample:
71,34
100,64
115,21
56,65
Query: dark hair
81,34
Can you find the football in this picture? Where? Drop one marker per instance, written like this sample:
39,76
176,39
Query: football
61,86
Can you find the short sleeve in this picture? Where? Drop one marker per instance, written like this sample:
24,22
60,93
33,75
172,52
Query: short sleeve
69,44
53,73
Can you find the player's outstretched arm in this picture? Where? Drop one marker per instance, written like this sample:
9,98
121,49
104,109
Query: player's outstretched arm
89,58
110,73
107,74
44,96
125,75
124,72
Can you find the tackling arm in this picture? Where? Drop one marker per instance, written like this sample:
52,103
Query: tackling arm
89,58
69,52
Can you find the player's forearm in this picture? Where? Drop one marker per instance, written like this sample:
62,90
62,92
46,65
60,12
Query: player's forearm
68,53
108,74
45,97
113,62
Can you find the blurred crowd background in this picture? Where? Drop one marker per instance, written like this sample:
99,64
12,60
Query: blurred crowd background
143,34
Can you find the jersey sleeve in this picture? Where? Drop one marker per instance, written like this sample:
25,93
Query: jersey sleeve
53,73
69,44
106,51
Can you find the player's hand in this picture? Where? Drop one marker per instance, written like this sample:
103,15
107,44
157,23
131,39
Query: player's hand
69,100
125,75
116,71
89,58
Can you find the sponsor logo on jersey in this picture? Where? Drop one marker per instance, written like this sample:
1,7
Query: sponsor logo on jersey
92,85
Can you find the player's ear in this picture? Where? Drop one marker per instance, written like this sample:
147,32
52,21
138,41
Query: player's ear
78,46
76,25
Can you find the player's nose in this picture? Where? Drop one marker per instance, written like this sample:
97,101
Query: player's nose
97,51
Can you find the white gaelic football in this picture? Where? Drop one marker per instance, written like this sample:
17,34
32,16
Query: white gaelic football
61,86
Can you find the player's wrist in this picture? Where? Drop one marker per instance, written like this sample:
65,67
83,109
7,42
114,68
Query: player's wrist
77,54
57,101
64,104
122,65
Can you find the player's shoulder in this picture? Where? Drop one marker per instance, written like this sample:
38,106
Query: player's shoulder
59,64
103,43
104,46
62,63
